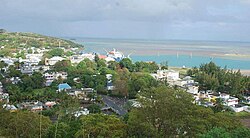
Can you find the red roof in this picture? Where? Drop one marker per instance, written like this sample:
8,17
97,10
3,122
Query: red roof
102,56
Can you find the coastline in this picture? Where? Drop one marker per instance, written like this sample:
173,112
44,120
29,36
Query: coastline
245,72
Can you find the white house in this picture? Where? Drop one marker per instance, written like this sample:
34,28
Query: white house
232,101
193,89
50,77
85,111
166,74
78,58
53,60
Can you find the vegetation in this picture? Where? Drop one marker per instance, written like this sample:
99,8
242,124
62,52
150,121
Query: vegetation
212,77
14,41
166,112
163,111
23,124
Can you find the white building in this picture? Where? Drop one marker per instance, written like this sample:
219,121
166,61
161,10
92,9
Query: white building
53,60
232,101
85,111
50,77
193,89
166,74
75,59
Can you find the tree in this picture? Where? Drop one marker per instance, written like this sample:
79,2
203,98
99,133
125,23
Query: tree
63,65
23,124
94,108
167,112
113,65
100,125
55,52
164,65
127,63
3,64
216,133
139,82
15,93
13,72
207,82
63,131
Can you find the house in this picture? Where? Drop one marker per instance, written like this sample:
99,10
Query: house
88,90
50,104
185,81
4,96
52,61
34,56
110,86
32,106
224,96
30,61
56,75
232,101
63,86
238,108
15,80
10,107
79,93
192,89
75,59
50,77
8,61
85,111
166,75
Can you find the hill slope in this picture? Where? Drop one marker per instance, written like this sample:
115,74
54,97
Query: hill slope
13,41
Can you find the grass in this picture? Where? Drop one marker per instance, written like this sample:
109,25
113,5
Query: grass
242,115
182,71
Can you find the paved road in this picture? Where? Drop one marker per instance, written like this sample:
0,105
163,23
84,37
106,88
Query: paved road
117,108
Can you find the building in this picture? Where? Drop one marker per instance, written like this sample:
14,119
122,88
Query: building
55,75
76,59
110,86
63,86
79,93
166,75
192,89
85,111
52,61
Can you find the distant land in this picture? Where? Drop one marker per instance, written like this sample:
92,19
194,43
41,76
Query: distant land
11,42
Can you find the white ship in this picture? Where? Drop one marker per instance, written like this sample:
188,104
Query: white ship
117,55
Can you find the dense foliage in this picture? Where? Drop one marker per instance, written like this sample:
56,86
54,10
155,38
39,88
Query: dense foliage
212,77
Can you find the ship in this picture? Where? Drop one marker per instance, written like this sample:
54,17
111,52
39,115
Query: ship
116,55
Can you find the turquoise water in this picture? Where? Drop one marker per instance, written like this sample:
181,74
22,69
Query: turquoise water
187,61
166,50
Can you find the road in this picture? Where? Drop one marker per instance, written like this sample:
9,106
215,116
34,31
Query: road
116,108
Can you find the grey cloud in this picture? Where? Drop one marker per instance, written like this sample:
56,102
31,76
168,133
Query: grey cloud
183,19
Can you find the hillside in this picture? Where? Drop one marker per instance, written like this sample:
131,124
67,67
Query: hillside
13,41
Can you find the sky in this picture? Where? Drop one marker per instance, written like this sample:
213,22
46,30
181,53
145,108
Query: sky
218,20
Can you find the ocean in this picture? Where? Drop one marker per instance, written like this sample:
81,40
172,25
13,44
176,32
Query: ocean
233,55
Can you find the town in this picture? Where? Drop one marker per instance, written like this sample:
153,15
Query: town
65,81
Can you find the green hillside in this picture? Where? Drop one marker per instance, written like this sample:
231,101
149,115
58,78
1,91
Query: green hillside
14,41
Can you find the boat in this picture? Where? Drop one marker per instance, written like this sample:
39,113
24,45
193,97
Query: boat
117,55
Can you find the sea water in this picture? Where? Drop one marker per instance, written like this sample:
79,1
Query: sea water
188,61
158,51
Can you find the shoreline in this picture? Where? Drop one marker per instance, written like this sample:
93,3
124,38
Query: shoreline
245,72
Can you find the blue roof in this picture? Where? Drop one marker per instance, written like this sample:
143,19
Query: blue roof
64,86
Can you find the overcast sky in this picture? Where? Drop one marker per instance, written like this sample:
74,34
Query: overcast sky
225,20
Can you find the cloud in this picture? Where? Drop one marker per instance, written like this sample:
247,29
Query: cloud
129,18
139,10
